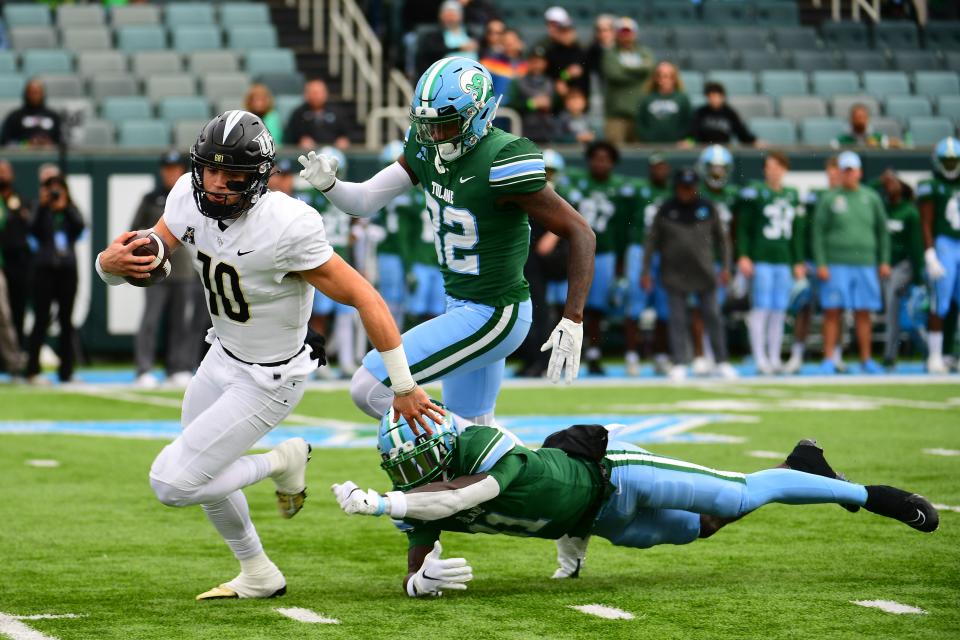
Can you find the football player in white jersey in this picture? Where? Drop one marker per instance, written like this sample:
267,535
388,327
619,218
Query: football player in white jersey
257,252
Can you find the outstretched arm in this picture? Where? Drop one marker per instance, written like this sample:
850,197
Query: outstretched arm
357,198
434,501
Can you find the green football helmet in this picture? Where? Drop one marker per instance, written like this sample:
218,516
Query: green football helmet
410,459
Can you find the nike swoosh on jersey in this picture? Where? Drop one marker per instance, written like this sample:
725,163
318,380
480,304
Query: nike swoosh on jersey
243,253
462,179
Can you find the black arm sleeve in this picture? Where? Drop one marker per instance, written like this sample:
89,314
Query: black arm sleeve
743,134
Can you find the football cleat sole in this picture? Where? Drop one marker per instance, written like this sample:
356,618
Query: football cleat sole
808,457
223,592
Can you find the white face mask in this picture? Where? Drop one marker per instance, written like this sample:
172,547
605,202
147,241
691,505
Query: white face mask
450,151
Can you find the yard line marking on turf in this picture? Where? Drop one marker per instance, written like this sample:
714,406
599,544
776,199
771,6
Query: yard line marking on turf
603,611
305,615
12,628
942,452
49,616
946,507
773,455
889,606
43,464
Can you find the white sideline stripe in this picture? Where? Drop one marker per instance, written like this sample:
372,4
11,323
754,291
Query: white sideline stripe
49,616
43,464
889,606
12,628
942,452
603,611
773,455
649,457
305,615
946,507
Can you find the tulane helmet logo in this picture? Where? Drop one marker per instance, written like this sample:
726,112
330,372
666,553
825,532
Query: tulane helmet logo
477,84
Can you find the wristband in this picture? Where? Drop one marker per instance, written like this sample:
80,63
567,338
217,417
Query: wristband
395,362
110,278
381,506
398,504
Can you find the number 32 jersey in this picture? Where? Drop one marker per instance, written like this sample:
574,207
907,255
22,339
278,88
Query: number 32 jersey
258,304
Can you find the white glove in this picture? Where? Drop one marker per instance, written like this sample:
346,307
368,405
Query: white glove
436,574
566,342
319,170
934,267
354,500
571,554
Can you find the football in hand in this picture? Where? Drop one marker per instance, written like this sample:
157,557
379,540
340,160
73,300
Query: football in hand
160,267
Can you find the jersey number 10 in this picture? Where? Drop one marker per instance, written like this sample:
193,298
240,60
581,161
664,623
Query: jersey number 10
215,285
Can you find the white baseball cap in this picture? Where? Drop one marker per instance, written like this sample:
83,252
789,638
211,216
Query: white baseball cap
558,15
849,160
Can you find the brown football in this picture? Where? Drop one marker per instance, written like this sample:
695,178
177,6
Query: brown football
160,267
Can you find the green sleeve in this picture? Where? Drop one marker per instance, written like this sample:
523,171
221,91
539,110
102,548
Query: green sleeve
883,233
819,231
518,168
915,245
508,469
610,68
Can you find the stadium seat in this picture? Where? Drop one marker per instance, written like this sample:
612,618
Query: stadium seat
889,127
203,62
919,60
237,13
692,82
886,83
783,83
245,37
762,60
143,134
639,11
746,38
799,107
865,60
215,85
8,104
187,38
141,37
737,83
80,15
756,106
782,13
135,14
821,131
147,63
936,83
229,103
8,61
667,13
709,60
776,131
22,14
811,61
728,13
96,133
178,14
654,38
33,38
87,39
949,107
119,108
829,83
164,86
845,35
185,133
285,106
103,85
840,105
680,59
697,101
794,38
45,61
62,85
895,35
183,108
929,130
281,83
91,63
695,38
943,36
11,86
903,107
78,109
270,61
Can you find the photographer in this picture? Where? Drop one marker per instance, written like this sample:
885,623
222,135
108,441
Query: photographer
56,227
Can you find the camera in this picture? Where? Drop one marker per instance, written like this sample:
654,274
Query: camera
55,194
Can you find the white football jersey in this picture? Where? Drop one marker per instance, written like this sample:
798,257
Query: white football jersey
259,307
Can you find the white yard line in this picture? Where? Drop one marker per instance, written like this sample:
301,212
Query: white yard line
603,611
305,615
772,455
43,464
49,616
12,628
889,606
942,452
946,507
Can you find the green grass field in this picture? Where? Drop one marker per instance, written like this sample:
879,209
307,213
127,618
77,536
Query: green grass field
89,538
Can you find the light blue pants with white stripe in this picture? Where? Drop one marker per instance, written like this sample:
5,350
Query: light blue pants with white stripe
658,500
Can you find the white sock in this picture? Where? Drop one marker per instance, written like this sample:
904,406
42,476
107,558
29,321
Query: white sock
343,335
484,419
775,323
757,327
632,357
935,344
231,518
707,347
259,563
796,351
838,353
593,353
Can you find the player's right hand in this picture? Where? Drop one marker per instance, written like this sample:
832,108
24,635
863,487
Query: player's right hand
418,410
319,170
934,267
119,260
745,266
564,344
436,574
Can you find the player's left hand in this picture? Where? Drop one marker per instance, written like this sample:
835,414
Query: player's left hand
319,170
566,341
354,500
419,410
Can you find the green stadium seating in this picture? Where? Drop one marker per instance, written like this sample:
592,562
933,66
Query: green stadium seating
119,108
820,131
794,38
87,39
189,13
903,107
164,86
692,82
929,130
146,37
783,83
775,131
810,61
654,38
799,107
11,85
696,38
270,61
228,103
8,61
237,13
143,134
949,107
26,15
919,60
202,62
216,85
8,104
840,105
755,106
747,38
85,15
187,38
33,38
943,36
247,37
62,85
666,13
96,133
845,35
728,13
639,11
777,13
37,61
936,83
103,85
711,60
135,14
185,132
829,83
736,83
865,60
886,83
889,127
285,106
895,35
183,108
148,63
282,83
763,61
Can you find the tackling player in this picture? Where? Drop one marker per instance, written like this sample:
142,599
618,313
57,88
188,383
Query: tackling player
480,183
257,252
479,479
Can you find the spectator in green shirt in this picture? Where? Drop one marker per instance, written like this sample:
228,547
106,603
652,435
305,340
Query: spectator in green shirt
664,113
851,248
625,67
859,133
259,102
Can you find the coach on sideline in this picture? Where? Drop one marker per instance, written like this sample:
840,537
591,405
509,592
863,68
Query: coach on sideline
851,247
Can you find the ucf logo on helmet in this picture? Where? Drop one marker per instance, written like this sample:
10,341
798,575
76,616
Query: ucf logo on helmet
265,140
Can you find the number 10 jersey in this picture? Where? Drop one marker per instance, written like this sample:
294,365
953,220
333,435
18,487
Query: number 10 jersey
259,305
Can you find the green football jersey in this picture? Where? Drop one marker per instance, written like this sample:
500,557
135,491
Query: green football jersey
418,237
336,224
946,205
543,493
649,197
395,220
607,206
765,223
482,245
724,200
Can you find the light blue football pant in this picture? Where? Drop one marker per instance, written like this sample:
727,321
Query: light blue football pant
658,500
465,347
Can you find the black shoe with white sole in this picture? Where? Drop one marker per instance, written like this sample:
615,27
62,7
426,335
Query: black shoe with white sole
911,509
807,456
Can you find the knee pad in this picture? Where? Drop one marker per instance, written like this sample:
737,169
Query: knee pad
171,495
369,394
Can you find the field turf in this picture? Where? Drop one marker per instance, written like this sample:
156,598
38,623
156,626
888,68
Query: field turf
88,537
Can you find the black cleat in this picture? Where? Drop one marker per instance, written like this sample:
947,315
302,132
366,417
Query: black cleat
807,457
911,509
595,368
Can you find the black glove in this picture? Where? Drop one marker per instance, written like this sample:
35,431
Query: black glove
316,342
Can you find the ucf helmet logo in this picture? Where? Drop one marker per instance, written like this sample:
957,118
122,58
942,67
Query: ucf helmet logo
476,83
265,140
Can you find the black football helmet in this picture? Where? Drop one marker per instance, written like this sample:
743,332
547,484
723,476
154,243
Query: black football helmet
233,141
